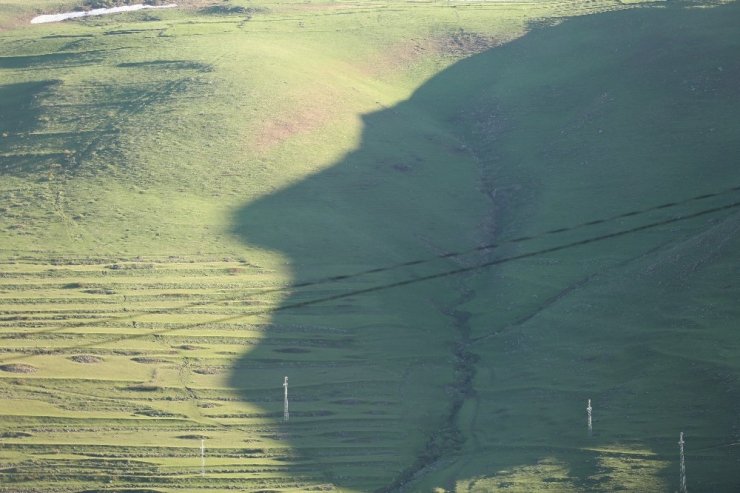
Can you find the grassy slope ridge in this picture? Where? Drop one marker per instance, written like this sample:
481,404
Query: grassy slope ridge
164,161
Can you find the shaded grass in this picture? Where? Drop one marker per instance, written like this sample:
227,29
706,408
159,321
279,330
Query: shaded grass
538,133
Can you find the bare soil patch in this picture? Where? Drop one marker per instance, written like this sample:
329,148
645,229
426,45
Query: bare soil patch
208,405
302,120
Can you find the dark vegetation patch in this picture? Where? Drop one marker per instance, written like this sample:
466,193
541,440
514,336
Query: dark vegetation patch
132,266
120,32
15,434
99,291
188,347
192,437
148,360
144,387
86,358
158,413
125,352
208,405
18,368
67,36
208,370
169,64
29,61
232,10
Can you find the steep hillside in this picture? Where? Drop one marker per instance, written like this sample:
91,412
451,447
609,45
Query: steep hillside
196,203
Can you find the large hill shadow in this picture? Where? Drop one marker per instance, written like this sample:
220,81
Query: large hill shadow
597,116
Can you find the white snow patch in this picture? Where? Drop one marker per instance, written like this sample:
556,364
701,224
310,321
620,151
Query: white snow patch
42,19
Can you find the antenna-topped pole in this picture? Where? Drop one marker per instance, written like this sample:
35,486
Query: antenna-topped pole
588,412
286,414
682,489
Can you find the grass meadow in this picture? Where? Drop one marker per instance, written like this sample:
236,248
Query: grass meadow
198,202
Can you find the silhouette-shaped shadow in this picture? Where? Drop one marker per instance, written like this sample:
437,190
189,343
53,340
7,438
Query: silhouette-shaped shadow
465,377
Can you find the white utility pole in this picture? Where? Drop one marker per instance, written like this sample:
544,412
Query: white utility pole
683,465
202,457
286,414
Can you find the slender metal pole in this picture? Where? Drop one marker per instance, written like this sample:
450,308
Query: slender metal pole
286,414
683,465
202,457
590,423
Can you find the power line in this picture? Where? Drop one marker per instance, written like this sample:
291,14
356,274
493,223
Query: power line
391,267
407,282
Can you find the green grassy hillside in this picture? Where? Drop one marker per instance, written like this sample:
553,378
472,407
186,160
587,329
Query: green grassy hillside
179,187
